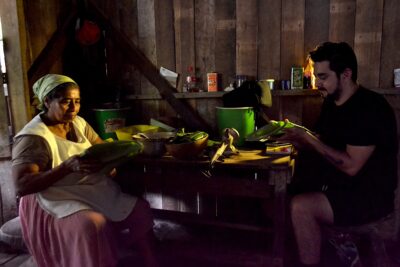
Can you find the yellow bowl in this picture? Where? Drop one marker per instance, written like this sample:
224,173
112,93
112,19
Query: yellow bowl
188,150
126,133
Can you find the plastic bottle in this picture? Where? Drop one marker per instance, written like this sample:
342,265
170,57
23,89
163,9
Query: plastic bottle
191,80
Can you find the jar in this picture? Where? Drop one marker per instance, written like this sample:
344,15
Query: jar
240,79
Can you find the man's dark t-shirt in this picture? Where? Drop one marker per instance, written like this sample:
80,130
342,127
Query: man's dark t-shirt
363,120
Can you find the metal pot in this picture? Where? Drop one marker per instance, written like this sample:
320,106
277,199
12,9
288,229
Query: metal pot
154,143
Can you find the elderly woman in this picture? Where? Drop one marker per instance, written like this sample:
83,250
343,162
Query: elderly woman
71,214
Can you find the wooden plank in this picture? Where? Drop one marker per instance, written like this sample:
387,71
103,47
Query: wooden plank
390,56
246,37
128,19
20,260
43,29
367,41
7,192
52,51
210,112
147,44
169,181
184,38
149,109
316,27
14,33
274,112
147,38
165,43
114,59
191,118
279,218
342,21
206,220
5,135
311,110
225,40
269,38
205,40
292,109
292,36
120,68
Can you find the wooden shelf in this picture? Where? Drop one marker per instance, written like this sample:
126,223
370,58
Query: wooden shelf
387,91
219,94
296,92
178,95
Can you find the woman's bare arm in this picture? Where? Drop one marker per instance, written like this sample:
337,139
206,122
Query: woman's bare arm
28,177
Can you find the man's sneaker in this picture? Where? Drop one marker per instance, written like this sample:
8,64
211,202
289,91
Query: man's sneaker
347,252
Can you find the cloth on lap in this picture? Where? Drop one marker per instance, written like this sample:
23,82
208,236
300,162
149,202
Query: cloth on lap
11,234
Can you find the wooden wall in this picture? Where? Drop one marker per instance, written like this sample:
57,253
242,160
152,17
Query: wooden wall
263,38
259,38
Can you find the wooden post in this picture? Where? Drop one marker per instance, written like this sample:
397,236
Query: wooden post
13,22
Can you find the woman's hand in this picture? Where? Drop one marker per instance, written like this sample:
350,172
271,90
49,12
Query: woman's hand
29,178
81,164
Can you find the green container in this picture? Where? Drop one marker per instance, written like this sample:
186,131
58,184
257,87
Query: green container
108,120
240,118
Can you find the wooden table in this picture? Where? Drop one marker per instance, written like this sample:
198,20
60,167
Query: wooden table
269,178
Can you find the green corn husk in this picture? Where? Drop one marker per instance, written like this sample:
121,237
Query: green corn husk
182,137
112,151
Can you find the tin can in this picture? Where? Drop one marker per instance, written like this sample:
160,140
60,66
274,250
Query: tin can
396,73
212,82
240,79
285,84
271,83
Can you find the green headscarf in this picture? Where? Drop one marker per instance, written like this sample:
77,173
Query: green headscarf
43,86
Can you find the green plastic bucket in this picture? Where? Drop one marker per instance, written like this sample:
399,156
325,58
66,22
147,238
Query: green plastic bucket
240,118
108,120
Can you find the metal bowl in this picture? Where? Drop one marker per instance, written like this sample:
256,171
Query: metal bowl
154,143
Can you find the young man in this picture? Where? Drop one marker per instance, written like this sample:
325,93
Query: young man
354,151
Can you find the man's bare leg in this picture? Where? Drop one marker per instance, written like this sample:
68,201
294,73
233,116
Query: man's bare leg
308,212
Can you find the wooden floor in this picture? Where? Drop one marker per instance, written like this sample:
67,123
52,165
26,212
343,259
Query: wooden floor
10,258
201,247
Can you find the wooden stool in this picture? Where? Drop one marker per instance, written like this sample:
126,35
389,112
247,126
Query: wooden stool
379,234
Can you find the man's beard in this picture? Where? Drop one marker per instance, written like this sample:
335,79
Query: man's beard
338,92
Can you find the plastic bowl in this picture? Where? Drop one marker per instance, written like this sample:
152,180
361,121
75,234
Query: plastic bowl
126,133
188,150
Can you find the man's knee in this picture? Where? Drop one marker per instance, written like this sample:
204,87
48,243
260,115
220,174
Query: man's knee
314,205
298,205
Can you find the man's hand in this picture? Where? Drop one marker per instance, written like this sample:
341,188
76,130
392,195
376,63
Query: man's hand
350,161
296,136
